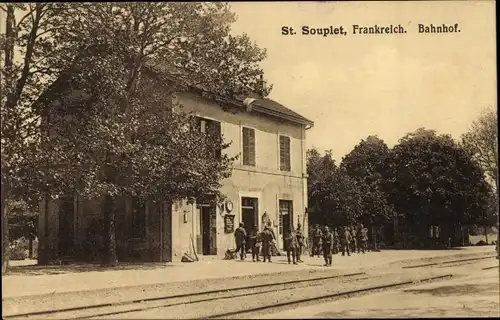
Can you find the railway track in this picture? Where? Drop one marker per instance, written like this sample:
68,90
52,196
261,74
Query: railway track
246,313
450,263
98,310
267,297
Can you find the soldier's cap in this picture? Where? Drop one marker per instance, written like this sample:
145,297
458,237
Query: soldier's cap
241,224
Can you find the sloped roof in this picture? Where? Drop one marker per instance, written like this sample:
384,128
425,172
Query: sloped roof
278,108
263,105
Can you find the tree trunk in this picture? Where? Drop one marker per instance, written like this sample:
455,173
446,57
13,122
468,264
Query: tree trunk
463,235
486,234
43,248
30,248
374,232
5,230
109,258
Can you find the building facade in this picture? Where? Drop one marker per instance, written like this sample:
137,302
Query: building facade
268,183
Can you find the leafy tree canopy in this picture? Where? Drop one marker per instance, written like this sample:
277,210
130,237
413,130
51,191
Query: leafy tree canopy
366,163
432,180
335,197
482,142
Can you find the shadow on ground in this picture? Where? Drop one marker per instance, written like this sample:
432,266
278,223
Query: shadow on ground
458,290
402,313
75,268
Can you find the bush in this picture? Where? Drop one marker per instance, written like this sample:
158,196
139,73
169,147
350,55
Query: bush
17,251
481,243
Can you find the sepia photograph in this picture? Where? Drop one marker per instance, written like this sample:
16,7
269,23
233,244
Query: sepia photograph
249,160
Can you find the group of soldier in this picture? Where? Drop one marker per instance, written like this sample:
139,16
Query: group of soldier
328,242
339,240
266,239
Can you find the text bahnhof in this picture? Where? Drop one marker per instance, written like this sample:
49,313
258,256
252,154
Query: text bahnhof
375,29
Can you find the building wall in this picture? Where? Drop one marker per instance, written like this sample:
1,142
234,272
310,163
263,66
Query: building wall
180,233
88,222
48,230
264,181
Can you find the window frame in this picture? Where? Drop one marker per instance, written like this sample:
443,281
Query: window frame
254,162
280,168
207,121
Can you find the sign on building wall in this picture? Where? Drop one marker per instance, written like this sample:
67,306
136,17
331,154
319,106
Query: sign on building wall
229,223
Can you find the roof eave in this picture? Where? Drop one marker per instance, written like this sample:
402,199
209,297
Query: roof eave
282,115
238,103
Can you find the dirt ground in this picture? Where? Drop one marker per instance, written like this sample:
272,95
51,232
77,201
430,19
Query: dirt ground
475,295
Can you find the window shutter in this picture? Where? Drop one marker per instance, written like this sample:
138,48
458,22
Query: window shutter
284,153
248,147
218,134
251,148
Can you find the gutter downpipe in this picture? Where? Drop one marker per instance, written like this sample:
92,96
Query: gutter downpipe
304,191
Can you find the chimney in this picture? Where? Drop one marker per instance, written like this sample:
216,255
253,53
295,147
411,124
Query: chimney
260,86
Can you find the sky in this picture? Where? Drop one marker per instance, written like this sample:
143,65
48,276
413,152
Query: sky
354,86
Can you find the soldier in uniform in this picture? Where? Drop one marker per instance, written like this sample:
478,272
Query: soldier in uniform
290,244
354,242
272,247
345,239
240,236
300,242
363,238
267,240
327,245
317,235
254,241
336,241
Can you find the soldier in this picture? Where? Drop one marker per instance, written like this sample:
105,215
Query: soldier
336,241
317,235
327,246
300,242
272,246
240,236
290,244
254,241
267,239
345,239
363,239
354,242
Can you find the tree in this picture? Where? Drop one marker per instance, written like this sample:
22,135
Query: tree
335,197
22,81
23,221
482,142
366,163
433,181
113,128
488,217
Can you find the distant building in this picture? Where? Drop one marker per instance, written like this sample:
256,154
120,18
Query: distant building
268,182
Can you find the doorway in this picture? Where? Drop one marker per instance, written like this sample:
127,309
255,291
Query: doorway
160,214
66,226
285,217
249,213
208,228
